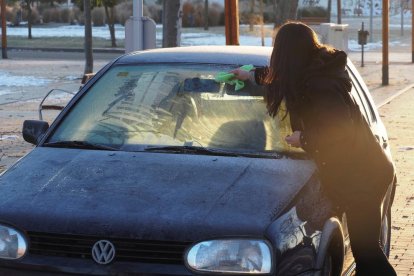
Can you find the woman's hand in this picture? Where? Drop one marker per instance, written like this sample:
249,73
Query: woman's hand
294,139
240,74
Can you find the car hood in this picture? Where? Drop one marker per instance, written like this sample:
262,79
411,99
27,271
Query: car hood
147,195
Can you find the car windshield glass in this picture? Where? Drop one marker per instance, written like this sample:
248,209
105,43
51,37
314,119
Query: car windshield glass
136,107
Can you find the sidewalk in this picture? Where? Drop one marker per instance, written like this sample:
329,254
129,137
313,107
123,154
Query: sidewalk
398,117
376,57
400,73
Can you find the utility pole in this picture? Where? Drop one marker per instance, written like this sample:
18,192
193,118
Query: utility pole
231,15
3,30
385,30
412,31
88,37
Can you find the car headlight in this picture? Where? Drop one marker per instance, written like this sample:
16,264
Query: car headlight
231,256
12,244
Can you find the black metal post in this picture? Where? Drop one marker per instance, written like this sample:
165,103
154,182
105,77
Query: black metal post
362,48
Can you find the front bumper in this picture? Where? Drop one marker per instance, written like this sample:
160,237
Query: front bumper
45,265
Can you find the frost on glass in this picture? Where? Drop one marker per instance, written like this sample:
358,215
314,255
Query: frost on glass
178,104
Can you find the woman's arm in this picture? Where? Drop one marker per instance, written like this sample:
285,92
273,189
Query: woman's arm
256,76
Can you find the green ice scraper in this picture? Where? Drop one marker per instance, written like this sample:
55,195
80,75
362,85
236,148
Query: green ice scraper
229,77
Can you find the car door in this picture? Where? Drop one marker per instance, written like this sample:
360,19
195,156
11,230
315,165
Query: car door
368,109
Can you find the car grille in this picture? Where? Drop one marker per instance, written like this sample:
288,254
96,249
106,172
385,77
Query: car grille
77,246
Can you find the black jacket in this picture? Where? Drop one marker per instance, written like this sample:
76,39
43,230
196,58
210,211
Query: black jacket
352,165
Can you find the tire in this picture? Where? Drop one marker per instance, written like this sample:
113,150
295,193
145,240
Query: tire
385,237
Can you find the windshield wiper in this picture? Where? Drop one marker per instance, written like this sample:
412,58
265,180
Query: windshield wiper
217,152
191,150
78,144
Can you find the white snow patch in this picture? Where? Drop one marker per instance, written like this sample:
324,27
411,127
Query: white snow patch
187,38
9,80
355,47
5,92
9,137
72,78
68,31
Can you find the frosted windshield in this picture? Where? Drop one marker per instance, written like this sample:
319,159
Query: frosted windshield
173,104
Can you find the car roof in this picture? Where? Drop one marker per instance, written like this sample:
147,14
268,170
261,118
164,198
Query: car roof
240,55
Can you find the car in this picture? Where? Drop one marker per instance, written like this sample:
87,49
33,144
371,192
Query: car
154,168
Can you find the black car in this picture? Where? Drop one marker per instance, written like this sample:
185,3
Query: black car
155,168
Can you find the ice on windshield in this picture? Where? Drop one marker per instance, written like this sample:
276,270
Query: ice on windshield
179,104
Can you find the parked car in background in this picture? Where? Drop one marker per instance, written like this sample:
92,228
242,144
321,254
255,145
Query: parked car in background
154,168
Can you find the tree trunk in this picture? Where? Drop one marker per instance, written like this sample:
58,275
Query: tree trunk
251,15
88,37
284,10
206,15
111,24
262,22
171,23
29,19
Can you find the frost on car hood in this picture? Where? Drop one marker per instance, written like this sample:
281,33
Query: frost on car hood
148,195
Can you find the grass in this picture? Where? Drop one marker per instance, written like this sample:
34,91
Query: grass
61,42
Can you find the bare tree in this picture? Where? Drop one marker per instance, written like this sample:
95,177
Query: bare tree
206,15
109,6
171,21
262,22
88,36
284,10
251,15
28,6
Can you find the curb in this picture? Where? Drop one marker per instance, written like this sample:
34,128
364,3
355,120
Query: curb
72,50
392,97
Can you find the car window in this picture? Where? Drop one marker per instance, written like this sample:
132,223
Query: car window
173,104
358,100
363,99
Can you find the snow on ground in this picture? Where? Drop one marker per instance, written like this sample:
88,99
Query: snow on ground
355,47
189,36
5,92
66,31
9,137
9,80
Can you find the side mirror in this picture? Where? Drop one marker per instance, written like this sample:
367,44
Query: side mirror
33,130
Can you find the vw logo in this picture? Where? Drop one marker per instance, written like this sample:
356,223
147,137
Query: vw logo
103,252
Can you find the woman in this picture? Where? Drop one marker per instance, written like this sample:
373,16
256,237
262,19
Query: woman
312,80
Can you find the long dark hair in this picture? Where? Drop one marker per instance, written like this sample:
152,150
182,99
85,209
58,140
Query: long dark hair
295,46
